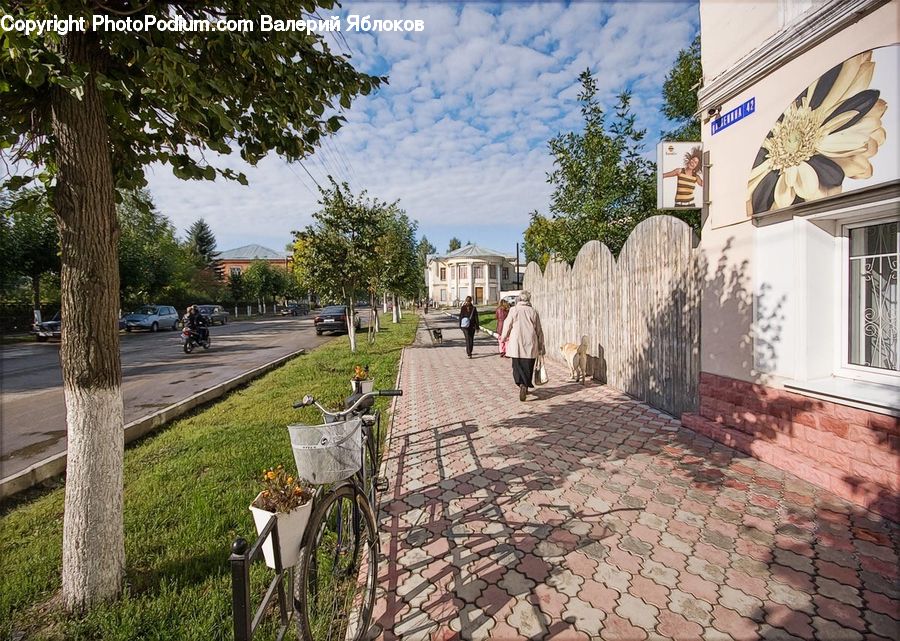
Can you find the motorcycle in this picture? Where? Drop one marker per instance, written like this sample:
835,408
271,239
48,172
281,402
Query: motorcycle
191,338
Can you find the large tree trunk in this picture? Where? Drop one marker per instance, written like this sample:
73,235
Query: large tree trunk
93,556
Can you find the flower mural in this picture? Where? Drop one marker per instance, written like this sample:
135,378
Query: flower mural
827,134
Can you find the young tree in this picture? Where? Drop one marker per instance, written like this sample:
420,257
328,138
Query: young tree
423,250
262,280
397,257
454,244
89,110
337,251
680,94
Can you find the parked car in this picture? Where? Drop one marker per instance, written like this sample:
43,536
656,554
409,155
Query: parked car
153,317
295,309
213,314
511,299
334,319
46,330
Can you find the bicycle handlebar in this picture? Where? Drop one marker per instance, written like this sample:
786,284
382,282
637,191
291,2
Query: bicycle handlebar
309,400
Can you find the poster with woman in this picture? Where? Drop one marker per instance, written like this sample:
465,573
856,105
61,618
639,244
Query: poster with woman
679,183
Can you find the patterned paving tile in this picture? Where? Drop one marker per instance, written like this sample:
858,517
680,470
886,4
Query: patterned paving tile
582,514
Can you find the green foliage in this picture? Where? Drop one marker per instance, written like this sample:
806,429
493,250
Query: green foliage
603,185
201,243
396,261
680,93
454,244
29,241
335,254
170,93
150,258
423,249
262,280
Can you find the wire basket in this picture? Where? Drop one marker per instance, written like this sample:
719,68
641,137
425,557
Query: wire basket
327,453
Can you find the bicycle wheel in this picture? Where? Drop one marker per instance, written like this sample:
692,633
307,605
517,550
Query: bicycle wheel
334,587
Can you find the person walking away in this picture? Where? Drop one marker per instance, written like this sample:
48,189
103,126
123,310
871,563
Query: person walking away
468,323
522,328
501,314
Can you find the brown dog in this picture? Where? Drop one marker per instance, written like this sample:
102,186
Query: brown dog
576,357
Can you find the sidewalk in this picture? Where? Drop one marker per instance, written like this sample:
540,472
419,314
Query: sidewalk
583,514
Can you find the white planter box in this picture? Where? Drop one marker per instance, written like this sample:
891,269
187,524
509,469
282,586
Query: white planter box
364,387
291,526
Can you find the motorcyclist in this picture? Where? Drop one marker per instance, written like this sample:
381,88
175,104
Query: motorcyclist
195,321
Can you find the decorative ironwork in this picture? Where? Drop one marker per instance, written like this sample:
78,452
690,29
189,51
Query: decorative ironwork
874,301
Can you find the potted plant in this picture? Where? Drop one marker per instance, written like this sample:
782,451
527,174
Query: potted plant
361,383
290,500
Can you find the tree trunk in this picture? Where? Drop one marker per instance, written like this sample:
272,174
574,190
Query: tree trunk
93,555
384,299
351,328
395,314
36,292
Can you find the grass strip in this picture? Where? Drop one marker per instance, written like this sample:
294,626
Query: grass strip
187,490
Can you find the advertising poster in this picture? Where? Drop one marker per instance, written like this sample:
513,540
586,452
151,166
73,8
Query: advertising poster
679,175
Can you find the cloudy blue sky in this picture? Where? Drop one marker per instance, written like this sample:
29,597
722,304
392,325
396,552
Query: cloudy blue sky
460,134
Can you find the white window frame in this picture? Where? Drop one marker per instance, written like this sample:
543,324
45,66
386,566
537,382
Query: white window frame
846,369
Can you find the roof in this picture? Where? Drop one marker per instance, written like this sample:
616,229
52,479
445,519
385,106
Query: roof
474,251
251,252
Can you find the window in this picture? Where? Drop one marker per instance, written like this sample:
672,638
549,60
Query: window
873,303
443,295
235,271
477,271
506,273
443,273
463,271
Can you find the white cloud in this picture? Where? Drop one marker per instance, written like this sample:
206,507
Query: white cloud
459,135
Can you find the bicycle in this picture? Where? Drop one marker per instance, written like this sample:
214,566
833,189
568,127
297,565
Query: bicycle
335,577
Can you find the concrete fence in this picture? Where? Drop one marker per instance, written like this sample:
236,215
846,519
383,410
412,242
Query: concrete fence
641,313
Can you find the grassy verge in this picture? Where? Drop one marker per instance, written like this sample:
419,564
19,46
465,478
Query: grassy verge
187,489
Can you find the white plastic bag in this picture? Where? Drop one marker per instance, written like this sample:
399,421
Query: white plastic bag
540,372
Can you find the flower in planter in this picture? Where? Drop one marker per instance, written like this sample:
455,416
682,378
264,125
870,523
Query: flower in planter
282,492
360,373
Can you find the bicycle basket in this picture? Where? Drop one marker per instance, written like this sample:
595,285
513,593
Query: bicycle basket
327,453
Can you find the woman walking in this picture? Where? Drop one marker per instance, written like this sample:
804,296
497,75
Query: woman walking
501,314
522,328
468,323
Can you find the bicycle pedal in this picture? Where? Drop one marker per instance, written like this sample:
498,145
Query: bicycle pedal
381,484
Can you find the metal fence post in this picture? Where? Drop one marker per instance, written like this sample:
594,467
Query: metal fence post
240,589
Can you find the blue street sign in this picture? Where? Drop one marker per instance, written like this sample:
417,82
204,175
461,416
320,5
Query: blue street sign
733,116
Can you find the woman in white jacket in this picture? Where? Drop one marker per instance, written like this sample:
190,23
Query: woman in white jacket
522,328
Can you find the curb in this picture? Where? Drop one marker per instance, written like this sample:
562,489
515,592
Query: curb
56,464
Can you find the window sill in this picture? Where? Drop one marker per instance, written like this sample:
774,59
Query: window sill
874,397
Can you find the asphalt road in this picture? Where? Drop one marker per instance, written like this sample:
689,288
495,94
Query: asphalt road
156,373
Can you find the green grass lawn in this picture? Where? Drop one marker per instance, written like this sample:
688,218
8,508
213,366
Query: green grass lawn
187,490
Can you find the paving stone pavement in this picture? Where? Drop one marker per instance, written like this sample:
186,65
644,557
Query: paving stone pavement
584,514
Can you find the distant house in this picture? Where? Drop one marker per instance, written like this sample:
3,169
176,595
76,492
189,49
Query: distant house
470,271
236,261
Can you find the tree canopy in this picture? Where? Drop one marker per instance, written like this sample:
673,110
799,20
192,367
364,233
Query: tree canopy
680,94
454,244
201,242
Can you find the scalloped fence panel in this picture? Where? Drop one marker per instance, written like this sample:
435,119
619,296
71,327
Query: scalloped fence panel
641,313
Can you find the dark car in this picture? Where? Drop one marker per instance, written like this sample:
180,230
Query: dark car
213,314
46,330
334,319
295,309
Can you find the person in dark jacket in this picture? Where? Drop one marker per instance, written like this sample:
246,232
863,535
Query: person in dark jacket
195,321
468,323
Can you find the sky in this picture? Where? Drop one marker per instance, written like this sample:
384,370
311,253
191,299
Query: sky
459,135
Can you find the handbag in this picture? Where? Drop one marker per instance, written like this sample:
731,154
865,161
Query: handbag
540,372
464,322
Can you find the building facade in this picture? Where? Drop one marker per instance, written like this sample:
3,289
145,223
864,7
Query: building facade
469,271
800,362
236,261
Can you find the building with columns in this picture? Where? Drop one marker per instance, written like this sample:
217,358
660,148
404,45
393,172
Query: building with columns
473,271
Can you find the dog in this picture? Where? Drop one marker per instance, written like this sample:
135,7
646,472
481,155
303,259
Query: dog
576,357
437,336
